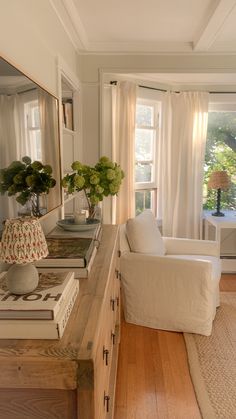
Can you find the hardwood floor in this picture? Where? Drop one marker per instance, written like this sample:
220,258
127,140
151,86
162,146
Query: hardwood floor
153,380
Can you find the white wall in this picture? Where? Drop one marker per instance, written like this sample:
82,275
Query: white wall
31,38
90,122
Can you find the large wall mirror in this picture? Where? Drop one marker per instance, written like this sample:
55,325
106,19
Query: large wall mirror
29,126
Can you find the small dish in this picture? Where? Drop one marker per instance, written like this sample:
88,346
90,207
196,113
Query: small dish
69,224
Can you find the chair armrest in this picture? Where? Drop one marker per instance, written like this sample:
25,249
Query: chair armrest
168,293
165,267
176,246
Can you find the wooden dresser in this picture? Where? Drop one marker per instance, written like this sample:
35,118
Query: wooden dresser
73,378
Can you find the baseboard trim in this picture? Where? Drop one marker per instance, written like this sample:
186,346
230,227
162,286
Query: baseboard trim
228,265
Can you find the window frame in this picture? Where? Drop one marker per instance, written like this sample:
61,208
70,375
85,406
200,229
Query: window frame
152,185
31,131
220,103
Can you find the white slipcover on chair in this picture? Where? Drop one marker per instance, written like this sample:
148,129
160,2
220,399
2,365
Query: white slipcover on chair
168,283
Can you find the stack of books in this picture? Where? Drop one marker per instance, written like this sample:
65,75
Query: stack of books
41,314
71,250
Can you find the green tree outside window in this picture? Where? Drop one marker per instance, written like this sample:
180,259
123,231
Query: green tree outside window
220,155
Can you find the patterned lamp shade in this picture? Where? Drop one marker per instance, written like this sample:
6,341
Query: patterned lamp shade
219,180
23,241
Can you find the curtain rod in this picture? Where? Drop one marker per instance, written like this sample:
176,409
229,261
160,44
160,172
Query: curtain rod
27,90
19,93
114,82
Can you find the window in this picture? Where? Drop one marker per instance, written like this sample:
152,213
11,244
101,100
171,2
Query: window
221,154
146,135
33,132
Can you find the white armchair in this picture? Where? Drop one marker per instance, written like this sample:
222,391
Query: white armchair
177,290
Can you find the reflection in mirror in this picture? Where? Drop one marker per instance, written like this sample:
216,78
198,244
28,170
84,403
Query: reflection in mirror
28,127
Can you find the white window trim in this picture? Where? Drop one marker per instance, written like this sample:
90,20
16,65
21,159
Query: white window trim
153,184
222,102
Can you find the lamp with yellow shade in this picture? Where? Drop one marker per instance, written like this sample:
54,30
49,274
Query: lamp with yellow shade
23,242
219,180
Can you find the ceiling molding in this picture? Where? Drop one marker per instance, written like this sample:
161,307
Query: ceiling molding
70,20
212,28
204,43
139,47
76,21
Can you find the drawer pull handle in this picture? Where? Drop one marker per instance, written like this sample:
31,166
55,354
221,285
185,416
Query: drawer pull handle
113,336
105,355
117,301
106,402
113,304
117,273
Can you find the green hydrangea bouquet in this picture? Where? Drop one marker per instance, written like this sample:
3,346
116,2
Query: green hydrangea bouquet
28,180
97,182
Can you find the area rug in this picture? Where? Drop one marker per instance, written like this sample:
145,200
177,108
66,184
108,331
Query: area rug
212,363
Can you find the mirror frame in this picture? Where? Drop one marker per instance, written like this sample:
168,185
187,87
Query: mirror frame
58,129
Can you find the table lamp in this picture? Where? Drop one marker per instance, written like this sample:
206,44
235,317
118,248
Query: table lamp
23,242
219,180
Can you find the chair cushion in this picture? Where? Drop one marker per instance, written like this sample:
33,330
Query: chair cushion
143,234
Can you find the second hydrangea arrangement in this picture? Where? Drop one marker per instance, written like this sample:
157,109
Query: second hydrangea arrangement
97,182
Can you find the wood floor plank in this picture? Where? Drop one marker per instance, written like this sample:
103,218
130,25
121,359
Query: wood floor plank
228,282
153,379
162,410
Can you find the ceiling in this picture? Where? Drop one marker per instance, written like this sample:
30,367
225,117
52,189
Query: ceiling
150,26
11,79
190,27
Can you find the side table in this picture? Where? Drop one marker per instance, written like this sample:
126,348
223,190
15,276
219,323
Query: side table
228,221
219,224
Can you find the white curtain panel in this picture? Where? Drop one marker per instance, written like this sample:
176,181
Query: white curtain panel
181,162
123,132
10,145
50,150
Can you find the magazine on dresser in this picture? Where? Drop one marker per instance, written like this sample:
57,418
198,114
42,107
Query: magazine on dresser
59,232
67,252
80,267
78,272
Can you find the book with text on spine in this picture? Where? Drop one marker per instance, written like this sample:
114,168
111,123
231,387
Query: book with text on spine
43,303
41,329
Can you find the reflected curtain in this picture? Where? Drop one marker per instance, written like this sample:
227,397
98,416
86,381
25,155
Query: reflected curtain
181,163
123,132
49,140
11,132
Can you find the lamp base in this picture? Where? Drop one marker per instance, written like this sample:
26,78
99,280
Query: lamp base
218,214
22,279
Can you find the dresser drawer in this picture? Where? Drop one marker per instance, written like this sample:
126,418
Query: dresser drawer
106,342
102,367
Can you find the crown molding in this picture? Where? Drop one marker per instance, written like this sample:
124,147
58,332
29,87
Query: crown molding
69,18
70,21
138,47
214,25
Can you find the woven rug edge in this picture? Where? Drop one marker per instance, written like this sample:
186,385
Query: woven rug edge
203,400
